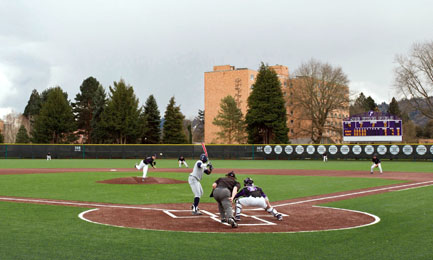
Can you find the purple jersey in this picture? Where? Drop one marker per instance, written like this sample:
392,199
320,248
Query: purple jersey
148,160
252,191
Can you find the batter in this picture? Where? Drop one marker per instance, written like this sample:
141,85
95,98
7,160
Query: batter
194,179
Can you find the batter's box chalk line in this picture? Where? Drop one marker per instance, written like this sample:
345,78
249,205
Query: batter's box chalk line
215,217
172,213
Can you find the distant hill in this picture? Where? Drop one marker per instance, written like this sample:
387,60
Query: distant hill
413,114
404,105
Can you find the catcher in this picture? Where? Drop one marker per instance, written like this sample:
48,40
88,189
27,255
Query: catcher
253,196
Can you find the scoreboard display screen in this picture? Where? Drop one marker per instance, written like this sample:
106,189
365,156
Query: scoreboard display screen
372,127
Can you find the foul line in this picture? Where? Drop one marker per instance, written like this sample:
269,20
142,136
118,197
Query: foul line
77,204
354,193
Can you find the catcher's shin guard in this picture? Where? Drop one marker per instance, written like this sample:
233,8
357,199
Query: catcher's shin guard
238,208
273,211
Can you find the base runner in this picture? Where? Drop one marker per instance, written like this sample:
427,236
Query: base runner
253,196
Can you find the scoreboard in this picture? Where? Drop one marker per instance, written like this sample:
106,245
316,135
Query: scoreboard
371,127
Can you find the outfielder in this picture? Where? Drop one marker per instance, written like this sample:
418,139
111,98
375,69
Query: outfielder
253,196
325,157
182,161
194,179
376,163
144,164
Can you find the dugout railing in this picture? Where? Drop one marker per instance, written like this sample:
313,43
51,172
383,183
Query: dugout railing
252,152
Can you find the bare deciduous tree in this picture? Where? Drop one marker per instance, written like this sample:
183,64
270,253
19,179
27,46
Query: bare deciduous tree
321,91
12,124
414,77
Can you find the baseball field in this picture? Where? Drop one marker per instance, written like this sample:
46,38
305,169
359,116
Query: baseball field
96,209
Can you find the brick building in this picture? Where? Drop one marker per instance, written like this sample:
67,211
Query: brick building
227,80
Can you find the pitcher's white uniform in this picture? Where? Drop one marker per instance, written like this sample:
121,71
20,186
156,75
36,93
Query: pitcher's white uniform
144,164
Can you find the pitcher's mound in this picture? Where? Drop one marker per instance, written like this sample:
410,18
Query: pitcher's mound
139,180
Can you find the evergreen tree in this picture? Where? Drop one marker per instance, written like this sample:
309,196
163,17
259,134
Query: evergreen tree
44,95
427,131
230,121
84,106
189,129
2,138
121,115
198,132
173,125
55,122
266,116
33,105
99,134
369,104
393,108
22,136
151,118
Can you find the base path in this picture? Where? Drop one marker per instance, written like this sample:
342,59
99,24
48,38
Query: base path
300,214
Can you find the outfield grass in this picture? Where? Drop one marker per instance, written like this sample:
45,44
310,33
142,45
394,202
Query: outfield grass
401,166
31,231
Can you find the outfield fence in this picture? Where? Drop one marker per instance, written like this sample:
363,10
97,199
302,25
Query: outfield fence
252,152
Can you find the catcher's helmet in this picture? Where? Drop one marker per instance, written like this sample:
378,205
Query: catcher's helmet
203,158
248,181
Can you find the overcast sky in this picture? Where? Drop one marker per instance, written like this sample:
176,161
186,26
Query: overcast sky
164,47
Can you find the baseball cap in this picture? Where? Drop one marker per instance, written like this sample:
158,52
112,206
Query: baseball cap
231,174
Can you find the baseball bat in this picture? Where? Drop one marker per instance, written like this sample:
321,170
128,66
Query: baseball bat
204,149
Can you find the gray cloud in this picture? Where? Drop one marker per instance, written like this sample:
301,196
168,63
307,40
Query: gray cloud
164,47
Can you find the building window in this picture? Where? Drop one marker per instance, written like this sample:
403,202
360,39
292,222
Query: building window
252,86
251,77
291,121
291,130
291,112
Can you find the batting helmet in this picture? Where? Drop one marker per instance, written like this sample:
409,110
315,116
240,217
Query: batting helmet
203,158
248,181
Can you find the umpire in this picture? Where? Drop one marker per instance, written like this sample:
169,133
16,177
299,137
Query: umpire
224,190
